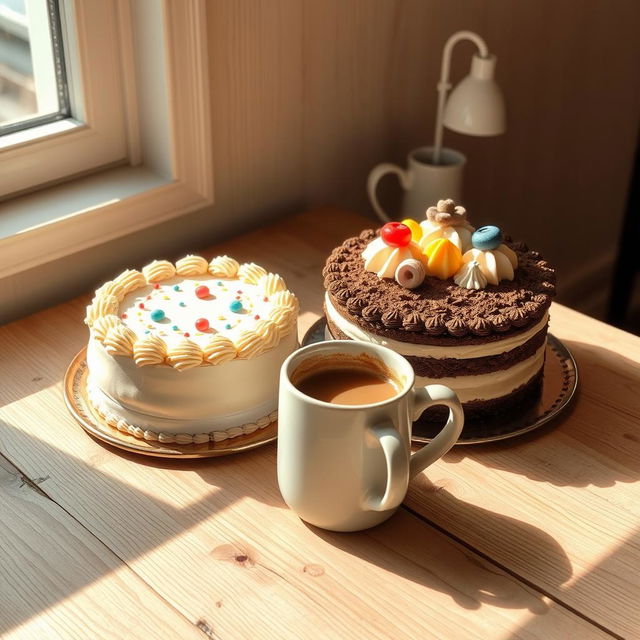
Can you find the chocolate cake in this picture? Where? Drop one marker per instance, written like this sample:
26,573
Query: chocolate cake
468,308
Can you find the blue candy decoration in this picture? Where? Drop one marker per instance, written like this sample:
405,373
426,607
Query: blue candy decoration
227,326
176,287
486,238
236,306
157,315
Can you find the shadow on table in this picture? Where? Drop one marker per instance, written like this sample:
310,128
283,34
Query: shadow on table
421,554
121,535
591,444
612,602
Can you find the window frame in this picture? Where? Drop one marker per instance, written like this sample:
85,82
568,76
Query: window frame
97,136
169,169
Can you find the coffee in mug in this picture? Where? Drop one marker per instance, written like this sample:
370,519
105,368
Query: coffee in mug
345,415
346,380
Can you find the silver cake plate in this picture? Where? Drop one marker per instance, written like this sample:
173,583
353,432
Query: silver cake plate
558,388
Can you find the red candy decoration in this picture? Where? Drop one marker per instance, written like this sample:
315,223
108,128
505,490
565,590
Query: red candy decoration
156,286
396,234
256,317
141,305
202,324
202,291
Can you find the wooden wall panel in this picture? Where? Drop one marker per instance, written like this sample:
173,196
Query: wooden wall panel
308,95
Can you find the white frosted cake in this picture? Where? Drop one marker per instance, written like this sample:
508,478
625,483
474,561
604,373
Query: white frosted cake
190,352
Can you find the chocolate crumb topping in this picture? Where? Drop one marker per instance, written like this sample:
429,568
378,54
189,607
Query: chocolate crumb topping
437,307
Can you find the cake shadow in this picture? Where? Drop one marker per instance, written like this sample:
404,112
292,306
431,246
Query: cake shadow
592,443
426,554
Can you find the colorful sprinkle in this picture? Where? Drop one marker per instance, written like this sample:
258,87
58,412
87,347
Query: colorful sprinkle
256,317
219,283
202,291
265,299
166,298
157,315
156,286
176,287
227,326
182,304
175,327
239,291
147,331
148,297
141,305
202,324
123,316
236,306
186,334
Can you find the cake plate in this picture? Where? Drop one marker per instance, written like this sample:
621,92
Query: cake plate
558,388
75,395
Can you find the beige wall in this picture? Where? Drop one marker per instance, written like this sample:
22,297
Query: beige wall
307,95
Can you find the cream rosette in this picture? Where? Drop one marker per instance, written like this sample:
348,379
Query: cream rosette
158,270
446,220
495,265
223,267
383,260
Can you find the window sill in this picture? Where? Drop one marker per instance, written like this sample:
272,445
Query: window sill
61,220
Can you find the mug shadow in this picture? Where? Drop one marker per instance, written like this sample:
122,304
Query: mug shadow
597,442
417,550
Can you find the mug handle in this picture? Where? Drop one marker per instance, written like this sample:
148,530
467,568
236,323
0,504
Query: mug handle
429,396
395,453
372,183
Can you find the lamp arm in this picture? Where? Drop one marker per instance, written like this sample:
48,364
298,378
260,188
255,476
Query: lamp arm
444,85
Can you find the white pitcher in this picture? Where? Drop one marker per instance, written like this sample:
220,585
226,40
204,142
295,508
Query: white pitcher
424,183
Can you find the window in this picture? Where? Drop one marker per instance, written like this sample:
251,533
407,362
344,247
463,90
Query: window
33,83
134,147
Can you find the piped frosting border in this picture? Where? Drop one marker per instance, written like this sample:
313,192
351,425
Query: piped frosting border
107,327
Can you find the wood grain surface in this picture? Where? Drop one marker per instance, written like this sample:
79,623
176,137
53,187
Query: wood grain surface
535,538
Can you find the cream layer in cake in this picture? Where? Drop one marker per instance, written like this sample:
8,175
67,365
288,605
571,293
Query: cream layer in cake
484,386
191,351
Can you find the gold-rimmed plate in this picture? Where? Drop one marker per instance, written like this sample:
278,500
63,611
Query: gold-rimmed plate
75,395
559,385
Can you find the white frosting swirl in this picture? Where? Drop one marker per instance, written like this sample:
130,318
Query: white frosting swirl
272,283
249,344
470,276
219,350
158,270
185,355
251,273
129,280
101,325
119,341
383,260
460,235
223,267
192,266
495,265
149,351
102,306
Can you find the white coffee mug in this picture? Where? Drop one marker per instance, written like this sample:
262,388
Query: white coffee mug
424,183
347,468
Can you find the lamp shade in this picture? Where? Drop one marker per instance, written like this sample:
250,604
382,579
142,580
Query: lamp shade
476,106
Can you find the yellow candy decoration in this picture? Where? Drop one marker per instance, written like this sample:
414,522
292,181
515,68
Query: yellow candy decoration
443,258
416,229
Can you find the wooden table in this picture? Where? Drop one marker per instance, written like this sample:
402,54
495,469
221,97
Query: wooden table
533,538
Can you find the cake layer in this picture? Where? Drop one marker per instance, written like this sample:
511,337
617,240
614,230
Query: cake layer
497,409
459,351
485,386
207,398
